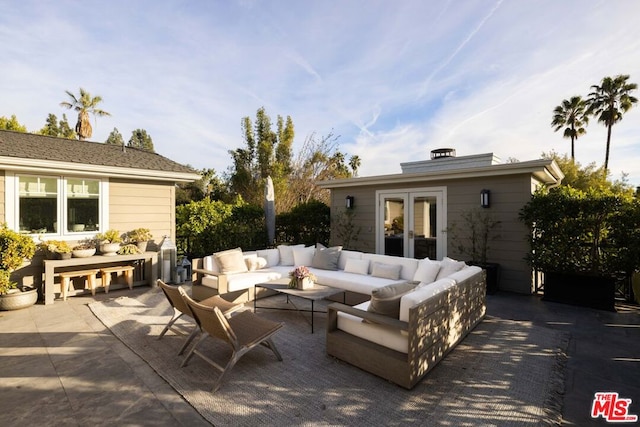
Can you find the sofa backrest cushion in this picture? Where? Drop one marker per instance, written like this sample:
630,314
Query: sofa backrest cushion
231,261
347,254
357,266
271,255
303,256
421,293
286,254
326,258
427,271
209,263
409,265
466,272
386,300
449,266
386,271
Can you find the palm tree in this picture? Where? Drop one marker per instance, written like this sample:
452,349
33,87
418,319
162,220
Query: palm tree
571,113
609,102
84,105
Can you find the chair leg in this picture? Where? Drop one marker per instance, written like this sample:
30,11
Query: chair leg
176,315
270,344
230,364
193,348
193,334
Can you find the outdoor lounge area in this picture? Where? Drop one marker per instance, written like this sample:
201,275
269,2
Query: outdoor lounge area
63,360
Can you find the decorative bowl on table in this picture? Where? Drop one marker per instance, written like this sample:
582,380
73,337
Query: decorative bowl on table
83,253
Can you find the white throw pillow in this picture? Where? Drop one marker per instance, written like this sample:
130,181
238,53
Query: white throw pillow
449,266
255,263
271,255
427,271
303,256
386,271
357,266
231,261
286,253
209,263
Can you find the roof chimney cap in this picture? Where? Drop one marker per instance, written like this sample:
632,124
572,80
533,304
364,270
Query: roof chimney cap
443,153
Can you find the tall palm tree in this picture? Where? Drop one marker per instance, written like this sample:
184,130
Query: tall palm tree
609,102
84,105
572,113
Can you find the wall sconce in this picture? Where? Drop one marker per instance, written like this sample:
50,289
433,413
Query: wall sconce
485,201
348,202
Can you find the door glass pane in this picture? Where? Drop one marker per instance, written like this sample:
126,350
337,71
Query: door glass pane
38,204
394,226
425,227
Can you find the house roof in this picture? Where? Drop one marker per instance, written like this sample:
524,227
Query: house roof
545,171
27,151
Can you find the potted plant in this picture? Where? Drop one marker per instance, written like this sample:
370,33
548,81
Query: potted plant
580,241
55,249
14,249
472,240
84,249
129,249
109,242
140,237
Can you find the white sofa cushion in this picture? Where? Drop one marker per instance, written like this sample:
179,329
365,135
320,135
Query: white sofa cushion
427,271
357,266
231,261
347,254
466,272
386,271
303,256
449,266
209,263
409,265
351,282
238,282
421,293
379,334
255,263
286,253
271,255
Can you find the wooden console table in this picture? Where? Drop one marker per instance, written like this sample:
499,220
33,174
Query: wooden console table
50,266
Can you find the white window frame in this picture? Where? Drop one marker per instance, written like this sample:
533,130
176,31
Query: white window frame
12,195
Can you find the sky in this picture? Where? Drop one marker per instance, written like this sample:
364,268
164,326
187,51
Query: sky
392,80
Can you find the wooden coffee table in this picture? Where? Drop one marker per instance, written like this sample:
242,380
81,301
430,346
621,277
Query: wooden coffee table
316,293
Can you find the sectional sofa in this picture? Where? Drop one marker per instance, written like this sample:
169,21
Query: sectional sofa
416,311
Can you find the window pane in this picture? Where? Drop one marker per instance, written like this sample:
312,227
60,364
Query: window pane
38,205
83,205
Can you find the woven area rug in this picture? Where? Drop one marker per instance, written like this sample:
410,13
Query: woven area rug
505,373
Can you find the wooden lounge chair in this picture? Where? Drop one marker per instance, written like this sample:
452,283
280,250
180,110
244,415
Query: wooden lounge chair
181,308
242,332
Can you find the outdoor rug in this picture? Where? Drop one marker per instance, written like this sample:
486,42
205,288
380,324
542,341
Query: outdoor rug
505,373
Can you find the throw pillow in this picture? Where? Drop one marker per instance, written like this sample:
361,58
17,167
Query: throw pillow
326,258
386,271
386,300
209,263
286,254
255,263
449,266
271,255
427,271
231,261
303,256
357,266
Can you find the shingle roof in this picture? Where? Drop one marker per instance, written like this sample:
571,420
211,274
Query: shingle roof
40,147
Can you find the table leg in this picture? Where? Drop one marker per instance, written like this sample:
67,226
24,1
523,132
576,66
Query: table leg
312,316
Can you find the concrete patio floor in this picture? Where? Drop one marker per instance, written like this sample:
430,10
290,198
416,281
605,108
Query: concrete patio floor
60,366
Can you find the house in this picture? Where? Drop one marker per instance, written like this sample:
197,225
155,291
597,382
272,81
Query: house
411,213
62,189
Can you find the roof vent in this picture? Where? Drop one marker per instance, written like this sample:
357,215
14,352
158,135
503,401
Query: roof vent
443,153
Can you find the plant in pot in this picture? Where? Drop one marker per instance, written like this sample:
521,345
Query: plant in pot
140,237
55,249
109,242
575,240
129,249
472,239
84,249
14,249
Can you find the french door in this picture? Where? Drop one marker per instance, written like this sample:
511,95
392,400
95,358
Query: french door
410,223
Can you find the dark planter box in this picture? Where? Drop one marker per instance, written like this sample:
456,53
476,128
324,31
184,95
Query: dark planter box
580,289
493,275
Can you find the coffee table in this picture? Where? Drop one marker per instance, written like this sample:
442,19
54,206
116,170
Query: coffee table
316,293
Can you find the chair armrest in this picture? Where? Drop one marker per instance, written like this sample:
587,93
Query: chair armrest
372,317
223,283
208,272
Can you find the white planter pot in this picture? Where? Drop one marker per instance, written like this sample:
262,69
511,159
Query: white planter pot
109,249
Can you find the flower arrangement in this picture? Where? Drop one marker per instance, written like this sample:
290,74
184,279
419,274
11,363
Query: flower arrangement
298,274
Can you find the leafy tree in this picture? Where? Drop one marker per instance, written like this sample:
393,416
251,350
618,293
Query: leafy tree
208,186
115,138
572,113
609,102
140,139
85,104
59,129
11,124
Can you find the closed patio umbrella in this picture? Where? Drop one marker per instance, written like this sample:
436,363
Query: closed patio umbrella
270,210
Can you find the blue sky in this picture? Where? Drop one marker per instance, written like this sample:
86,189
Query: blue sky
393,79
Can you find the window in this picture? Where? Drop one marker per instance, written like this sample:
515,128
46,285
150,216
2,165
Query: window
59,205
